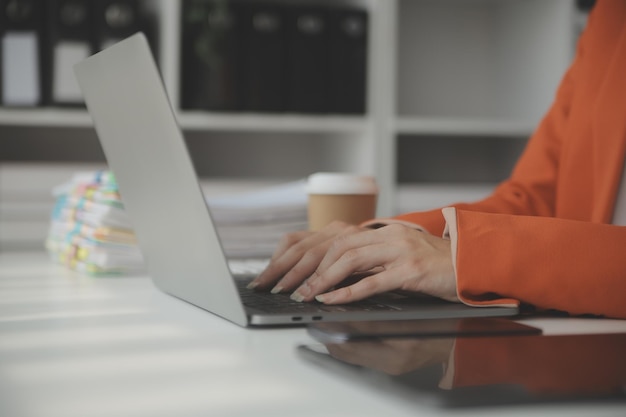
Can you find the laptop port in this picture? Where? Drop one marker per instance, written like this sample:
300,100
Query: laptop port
296,319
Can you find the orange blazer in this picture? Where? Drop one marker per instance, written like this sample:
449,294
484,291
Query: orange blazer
544,236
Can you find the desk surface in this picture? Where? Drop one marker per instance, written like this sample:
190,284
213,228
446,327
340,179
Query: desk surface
73,345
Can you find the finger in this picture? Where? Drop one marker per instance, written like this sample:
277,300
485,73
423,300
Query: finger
351,261
368,251
303,268
374,284
310,261
344,243
289,252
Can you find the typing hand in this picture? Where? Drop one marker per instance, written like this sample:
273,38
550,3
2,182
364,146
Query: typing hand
297,256
399,257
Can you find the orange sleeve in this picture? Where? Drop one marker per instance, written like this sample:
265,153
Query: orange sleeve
551,263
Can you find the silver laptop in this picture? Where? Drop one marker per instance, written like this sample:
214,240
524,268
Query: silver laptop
146,151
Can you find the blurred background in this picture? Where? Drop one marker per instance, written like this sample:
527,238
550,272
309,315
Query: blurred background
435,97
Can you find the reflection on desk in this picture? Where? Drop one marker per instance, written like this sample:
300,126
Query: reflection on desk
471,371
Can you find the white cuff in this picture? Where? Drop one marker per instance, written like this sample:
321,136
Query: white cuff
451,232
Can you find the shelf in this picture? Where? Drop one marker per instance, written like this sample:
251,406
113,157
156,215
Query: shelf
470,127
58,117
273,123
450,83
49,117
498,59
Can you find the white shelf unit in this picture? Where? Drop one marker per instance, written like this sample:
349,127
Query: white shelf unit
481,59
482,71
459,69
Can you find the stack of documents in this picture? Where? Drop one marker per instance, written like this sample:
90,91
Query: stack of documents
250,224
89,229
91,232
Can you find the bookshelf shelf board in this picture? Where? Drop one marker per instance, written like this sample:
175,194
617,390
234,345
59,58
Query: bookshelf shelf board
273,123
462,127
59,117
51,117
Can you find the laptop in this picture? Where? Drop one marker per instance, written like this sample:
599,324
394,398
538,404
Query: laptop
146,151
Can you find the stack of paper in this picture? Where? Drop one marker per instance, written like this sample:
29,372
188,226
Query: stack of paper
91,232
251,224
89,229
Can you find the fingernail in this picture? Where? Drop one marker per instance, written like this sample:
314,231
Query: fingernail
277,289
252,285
296,296
320,298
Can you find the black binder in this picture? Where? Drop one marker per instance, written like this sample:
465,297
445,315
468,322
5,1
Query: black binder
264,68
348,61
22,53
585,5
71,39
308,79
211,53
115,20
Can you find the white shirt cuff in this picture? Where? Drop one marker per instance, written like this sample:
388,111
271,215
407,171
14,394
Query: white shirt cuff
450,232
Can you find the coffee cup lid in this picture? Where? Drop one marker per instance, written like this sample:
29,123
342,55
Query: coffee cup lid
341,183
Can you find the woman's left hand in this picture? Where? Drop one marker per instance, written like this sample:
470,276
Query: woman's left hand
398,257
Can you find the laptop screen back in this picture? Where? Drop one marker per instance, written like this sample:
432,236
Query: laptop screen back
145,149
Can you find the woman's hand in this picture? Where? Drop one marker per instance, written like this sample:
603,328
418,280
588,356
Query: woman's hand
397,257
298,255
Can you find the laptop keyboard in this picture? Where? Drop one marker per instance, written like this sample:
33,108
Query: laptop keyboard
281,303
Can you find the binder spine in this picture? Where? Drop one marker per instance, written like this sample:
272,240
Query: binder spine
265,59
210,65
308,66
71,38
115,20
273,56
22,52
348,61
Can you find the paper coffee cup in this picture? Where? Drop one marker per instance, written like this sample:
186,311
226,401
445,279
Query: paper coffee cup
340,196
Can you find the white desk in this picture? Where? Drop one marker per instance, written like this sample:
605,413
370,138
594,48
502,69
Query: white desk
73,345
